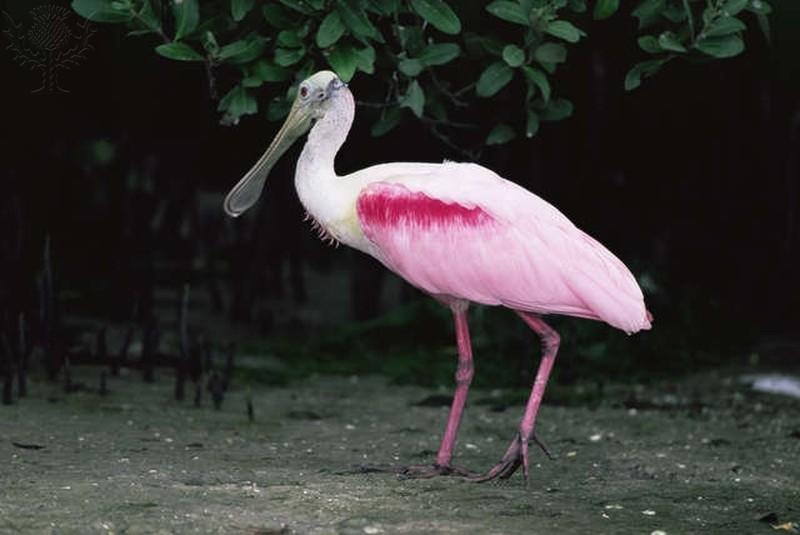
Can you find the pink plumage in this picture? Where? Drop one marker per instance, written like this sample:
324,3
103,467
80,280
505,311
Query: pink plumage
495,243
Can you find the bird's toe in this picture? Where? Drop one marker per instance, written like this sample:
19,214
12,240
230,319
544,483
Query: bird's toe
423,471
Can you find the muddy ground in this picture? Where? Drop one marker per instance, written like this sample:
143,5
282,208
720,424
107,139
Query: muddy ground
700,455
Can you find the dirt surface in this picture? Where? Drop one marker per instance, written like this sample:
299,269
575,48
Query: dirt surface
701,456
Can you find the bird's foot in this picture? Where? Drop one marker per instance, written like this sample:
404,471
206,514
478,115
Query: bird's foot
423,471
516,455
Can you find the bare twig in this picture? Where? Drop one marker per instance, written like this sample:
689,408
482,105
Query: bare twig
470,155
446,122
453,97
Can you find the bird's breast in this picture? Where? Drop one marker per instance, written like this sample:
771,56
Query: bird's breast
330,205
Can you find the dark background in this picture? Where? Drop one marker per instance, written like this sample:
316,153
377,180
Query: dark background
692,180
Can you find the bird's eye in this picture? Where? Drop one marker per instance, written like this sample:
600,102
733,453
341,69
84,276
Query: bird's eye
303,92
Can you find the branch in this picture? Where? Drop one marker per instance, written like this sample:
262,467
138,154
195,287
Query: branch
446,122
212,82
464,89
690,17
209,63
470,155
453,97
156,29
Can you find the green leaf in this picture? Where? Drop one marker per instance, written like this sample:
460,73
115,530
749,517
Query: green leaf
411,39
387,122
232,49
438,14
501,133
674,12
289,39
724,26
356,20
278,109
252,81
134,33
760,7
179,52
645,69
493,79
649,43
556,110
539,79
648,11
330,30
763,23
343,60
604,9
439,54
240,8
508,11
414,99
564,30
365,60
210,43
297,5
578,6
100,11
384,7
721,47
513,55
532,124
410,66
269,72
550,53
237,102
289,56
488,44
276,16
187,15
669,41
242,51
148,17
733,7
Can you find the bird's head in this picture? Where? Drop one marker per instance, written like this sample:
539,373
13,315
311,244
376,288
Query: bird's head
311,103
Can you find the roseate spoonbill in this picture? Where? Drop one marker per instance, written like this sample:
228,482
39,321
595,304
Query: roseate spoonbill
459,232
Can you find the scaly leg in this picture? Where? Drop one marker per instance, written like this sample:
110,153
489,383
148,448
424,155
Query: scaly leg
517,452
464,374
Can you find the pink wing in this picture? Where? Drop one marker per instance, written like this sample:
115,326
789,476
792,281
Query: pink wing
467,233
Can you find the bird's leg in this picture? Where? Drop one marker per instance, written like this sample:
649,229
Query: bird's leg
464,374
517,452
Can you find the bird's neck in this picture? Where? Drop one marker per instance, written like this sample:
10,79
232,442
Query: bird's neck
325,197
326,137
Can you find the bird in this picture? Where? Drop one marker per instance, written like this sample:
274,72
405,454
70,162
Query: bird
458,232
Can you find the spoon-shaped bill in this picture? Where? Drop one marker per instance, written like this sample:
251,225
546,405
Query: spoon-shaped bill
247,191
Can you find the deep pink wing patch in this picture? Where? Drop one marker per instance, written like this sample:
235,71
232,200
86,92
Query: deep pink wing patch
395,206
437,246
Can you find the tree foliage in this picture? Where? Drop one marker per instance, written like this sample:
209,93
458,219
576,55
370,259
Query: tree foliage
417,48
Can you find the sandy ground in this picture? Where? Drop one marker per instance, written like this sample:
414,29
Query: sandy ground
700,456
